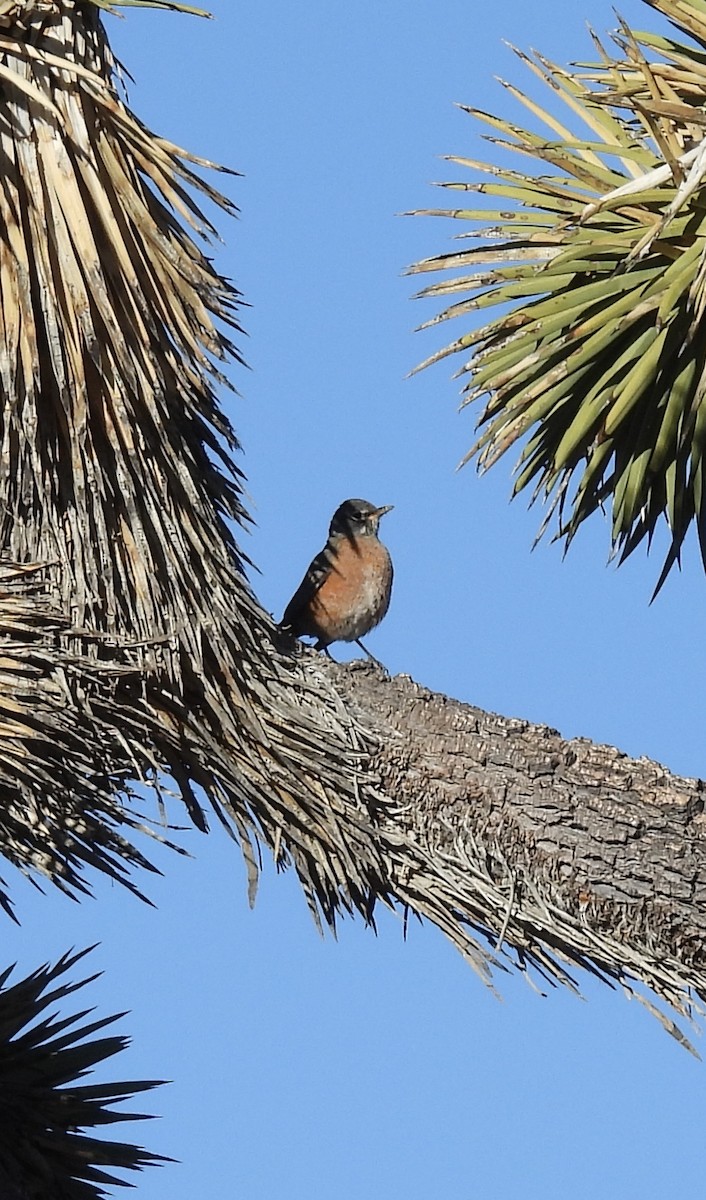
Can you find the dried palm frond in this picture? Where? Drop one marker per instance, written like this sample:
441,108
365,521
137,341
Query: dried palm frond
597,261
119,486
48,1118
56,709
170,5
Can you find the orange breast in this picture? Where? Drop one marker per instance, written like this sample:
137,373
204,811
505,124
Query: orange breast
355,595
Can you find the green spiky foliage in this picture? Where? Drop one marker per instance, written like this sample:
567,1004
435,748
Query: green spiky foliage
49,1117
594,253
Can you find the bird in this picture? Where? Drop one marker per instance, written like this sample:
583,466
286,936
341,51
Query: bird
346,590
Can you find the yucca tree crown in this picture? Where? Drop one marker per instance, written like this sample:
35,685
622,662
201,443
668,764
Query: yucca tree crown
595,254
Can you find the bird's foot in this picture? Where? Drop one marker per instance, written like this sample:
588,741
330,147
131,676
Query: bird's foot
371,657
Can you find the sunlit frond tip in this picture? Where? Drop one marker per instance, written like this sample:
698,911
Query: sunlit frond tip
171,5
594,260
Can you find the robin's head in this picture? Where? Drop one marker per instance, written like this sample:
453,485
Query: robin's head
356,517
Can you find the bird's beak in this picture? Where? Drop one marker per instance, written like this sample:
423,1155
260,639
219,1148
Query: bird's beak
386,508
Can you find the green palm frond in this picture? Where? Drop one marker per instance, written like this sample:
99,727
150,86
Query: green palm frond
596,362
48,1117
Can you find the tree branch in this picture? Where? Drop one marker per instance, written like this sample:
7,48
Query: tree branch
555,853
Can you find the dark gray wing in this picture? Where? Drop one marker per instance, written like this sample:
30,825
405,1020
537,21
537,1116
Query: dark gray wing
295,614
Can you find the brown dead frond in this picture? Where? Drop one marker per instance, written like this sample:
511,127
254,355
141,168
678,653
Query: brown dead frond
118,479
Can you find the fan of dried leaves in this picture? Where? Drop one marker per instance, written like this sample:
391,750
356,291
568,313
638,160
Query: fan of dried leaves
119,493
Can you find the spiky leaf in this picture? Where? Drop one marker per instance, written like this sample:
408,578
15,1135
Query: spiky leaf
596,362
49,1118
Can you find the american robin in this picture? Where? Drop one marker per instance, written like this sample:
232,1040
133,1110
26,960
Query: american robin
346,591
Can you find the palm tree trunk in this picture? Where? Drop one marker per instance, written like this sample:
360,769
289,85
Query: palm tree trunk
559,853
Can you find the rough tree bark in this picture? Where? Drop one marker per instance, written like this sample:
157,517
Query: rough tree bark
558,852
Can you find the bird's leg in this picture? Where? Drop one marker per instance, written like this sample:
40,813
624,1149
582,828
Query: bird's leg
372,657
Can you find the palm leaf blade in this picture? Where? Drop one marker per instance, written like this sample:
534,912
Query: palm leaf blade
608,327
47,1147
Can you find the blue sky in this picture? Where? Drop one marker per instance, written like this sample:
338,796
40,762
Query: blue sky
307,1068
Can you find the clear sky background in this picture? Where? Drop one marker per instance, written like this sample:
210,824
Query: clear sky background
311,1069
